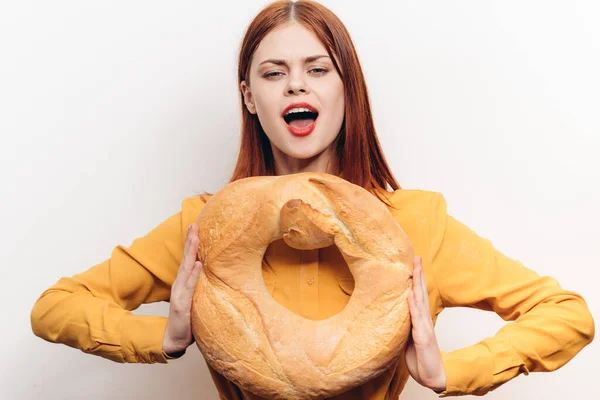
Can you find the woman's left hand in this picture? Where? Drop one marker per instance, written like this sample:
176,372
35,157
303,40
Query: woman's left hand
423,356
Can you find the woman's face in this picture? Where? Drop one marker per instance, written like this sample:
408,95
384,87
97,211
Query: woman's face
291,66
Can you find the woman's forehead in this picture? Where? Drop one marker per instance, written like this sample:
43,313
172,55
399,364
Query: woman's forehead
292,43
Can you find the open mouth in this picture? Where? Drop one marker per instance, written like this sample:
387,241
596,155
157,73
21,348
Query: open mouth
300,119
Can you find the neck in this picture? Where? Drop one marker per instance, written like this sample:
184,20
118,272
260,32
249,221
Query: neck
323,162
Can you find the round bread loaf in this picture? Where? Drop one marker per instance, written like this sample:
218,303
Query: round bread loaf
263,347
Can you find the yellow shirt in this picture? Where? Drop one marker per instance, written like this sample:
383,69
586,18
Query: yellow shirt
91,310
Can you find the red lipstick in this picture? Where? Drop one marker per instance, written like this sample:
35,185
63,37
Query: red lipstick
307,130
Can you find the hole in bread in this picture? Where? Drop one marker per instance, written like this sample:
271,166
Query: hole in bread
290,286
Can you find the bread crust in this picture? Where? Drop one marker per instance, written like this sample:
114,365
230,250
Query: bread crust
263,347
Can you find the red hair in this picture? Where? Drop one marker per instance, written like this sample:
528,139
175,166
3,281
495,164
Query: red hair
360,157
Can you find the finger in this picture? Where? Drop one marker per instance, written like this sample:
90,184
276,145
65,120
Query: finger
421,331
415,313
190,254
194,240
417,286
193,279
424,289
188,237
187,240
420,316
425,299
422,281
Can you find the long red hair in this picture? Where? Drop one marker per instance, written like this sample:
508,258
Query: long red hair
360,157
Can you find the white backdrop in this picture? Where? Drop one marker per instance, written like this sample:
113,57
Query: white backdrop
112,112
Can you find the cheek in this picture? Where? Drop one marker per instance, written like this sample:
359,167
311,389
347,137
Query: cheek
335,94
266,105
337,102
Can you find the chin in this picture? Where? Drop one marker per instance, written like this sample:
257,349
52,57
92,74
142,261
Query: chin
301,148
301,154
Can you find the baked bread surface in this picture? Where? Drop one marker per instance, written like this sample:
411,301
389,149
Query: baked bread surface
263,347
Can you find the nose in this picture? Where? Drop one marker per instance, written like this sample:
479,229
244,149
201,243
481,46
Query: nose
296,90
296,85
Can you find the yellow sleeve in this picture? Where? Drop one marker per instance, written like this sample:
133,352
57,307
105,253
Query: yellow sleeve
551,325
91,311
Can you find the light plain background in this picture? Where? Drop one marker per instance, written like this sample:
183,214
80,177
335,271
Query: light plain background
112,112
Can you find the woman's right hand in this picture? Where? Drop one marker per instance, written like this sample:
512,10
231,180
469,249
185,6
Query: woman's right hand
178,334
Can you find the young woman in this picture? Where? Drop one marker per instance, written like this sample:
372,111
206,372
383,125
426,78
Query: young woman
305,107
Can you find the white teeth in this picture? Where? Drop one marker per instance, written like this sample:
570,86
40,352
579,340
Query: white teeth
297,110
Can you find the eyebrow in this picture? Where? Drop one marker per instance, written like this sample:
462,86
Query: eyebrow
283,62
